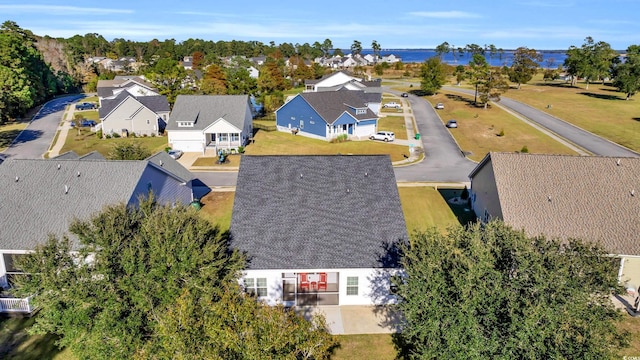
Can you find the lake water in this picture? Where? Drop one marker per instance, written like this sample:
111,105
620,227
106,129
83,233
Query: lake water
550,59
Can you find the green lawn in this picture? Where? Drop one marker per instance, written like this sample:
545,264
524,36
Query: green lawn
10,131
395,124
478,129
365,347
82,141
281,143
88,114
424,207
217,208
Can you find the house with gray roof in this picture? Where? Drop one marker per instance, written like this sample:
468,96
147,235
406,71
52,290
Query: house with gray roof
328,114
593,198
210,122
127,114
39,197
135,85
72,155
318,230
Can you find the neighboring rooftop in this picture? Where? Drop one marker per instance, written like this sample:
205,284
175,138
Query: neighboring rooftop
317,212
589,197
168,163
155,103
204,110
330,105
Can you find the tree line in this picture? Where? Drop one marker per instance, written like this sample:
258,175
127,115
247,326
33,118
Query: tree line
593,61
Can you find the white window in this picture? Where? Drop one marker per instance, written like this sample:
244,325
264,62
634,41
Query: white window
223,137
361,111
257,286
235,137
352,285
185,124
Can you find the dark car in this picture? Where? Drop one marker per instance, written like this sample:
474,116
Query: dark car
85,106
87,123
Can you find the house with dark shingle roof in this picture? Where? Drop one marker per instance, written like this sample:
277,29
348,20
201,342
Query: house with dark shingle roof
201,122
39,197
318,230
127,114
593,198
135,85
326,115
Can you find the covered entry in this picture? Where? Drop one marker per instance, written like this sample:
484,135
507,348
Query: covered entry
310,288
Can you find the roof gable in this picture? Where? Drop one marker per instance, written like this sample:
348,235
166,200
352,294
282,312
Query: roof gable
316,212
332,105
204,110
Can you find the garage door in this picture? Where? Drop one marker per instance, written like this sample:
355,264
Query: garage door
187,146
365,130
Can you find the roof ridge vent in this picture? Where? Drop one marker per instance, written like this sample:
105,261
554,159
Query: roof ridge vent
618,162
78,174
17,178
300,175
66,189
59,166
633,192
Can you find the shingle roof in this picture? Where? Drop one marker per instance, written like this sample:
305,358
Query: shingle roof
36,204
168,163
330,105
589,197
206,109
72,155
155,103
317,212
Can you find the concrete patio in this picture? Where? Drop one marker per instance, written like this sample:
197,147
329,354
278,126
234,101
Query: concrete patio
350,320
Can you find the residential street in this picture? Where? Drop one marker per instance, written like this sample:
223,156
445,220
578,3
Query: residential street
34,141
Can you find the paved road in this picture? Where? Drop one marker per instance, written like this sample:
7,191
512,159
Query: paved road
582,138
34,141
444,162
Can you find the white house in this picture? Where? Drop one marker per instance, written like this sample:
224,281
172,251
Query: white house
135,85
318,230
42,197
216,122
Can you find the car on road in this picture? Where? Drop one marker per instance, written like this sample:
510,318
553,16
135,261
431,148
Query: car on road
392,105
175,154
385,136
452,124
404,95
439,106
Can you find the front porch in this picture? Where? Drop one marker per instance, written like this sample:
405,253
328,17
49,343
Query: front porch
223,141
310,289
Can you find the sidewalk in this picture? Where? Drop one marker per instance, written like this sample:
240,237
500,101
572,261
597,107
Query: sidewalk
63,130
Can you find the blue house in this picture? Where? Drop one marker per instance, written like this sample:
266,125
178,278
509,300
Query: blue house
325,115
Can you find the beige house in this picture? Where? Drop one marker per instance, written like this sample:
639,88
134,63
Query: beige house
126,115
588,197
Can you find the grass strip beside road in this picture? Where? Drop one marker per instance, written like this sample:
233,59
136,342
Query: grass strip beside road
394,124
82,141
479,129
281,143
10,131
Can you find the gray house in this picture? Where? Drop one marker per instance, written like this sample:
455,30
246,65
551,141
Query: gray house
593,198
127,114
210,122
40,197
318,230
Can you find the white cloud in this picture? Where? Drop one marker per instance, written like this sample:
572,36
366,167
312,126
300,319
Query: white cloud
60,10
445,14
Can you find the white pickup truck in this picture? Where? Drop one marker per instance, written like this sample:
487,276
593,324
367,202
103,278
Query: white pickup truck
392,105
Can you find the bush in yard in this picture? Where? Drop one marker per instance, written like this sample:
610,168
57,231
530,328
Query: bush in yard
241,149
115,135
501,134
524,149
129,151
99,134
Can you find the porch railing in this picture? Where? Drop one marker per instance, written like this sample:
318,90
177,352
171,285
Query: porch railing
15,305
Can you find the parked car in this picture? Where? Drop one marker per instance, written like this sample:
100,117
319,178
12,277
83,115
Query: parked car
85,106
404,95
175,154
452,124
88,123
383,135
392,105
439,106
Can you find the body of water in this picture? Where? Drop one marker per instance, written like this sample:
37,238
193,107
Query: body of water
550,59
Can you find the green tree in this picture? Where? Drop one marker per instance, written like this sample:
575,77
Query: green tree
525,65
494,85
237,326
129,151
460,74
356,48
626,75
491,292
442,49
477,73
434,74
271,76
168,76
326,47
376,50
131,265
240,82
591,61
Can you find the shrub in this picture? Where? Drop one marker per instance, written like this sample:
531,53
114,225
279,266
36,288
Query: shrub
108,136
241,149
167,148
524,149
115,135
501,133
99,134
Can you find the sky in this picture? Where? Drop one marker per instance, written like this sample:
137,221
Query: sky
406,24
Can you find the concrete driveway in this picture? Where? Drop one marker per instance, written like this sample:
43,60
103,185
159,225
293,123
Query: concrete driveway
34,141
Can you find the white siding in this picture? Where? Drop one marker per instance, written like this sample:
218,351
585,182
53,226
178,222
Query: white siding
133,116
373,284
221,126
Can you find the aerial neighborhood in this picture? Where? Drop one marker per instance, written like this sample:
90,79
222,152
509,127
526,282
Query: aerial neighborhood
172,196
